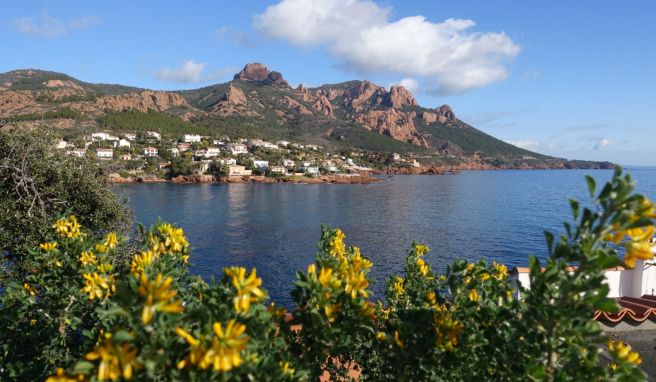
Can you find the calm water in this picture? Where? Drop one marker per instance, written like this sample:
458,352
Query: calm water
496,215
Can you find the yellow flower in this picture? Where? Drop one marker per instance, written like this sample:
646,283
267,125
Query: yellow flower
197,351
173,240
431,298
48,246
331,311
424,269
470,267
142,261
101,248
286,368
637,250
368,310
327,278
115,361
227,345
336,245
484,276
98,286
500,270
32,322
105,268
473,295
248,290
312,269
447,331
88,258
356,284
68,228
442,278
276,311
397,339
623,352
61,376
158,296
381,336
399,289
468,280
111,241
421,250
30,289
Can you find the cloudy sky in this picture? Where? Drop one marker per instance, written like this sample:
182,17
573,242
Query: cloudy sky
570,79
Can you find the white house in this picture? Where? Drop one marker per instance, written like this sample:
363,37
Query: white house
202,166
235,170
150,152
288,163
212,151
227,161
103,137
174,151
77,152
184,146
312,170
261,164
153,134
130,136
218,142
191,138
105,153
278,170
237,148
122,143
61,144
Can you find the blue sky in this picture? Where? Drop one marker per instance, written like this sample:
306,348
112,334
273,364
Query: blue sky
570,79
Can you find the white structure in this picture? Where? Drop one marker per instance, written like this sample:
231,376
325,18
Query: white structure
202,166
261,164
227,161
235,170
153,134
237,148
105,153
61,144
150,152
122,143
77,153
278,170
283,143
174,151
312,170
288,163
396,157
103,137
130,136
191,138
184,146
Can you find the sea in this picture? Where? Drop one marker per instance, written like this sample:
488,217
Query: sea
275,228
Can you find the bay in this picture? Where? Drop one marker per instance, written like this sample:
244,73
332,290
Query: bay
495,215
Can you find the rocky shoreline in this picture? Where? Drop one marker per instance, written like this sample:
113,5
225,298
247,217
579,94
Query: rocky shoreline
195,179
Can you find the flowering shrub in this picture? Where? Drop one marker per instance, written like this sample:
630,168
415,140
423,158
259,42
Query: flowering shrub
90,308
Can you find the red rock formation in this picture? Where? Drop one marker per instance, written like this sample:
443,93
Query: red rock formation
358,97
399,96
319,101
259,72
298,107
143,101
428,117
397,124
445,114
234,102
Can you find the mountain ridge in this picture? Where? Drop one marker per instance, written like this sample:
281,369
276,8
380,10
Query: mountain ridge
260,102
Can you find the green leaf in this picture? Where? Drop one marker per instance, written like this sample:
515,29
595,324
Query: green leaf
122,336
83,367
607,305
591,185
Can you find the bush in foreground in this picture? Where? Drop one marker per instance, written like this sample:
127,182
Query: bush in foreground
83,314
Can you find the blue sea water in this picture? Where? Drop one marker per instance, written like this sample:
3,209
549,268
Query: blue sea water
495,215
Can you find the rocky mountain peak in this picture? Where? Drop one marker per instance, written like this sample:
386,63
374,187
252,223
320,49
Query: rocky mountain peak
259,72
445,114
399,96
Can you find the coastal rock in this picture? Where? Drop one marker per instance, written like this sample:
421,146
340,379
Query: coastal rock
144,101
399,96
259,72
397,124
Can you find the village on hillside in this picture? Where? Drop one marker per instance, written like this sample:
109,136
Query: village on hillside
149,154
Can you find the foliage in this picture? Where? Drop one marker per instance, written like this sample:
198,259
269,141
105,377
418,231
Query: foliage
64,113
40,182
83,308
136,121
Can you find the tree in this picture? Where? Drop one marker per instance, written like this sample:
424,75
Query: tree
181,166
40,182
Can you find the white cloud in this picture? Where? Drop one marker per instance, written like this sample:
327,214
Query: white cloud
447,56
410,84
50,27
604,142
528,144
189,72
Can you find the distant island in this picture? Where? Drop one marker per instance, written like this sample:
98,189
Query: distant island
257,125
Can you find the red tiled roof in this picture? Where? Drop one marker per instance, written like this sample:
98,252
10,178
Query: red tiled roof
636,309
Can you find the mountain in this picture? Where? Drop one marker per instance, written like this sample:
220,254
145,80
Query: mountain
259,102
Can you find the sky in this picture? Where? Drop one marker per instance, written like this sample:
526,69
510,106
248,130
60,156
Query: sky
572,79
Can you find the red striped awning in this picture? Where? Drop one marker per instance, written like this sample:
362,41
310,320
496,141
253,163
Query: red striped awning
636,309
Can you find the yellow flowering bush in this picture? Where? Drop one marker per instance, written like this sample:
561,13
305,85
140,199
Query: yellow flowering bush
94,307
